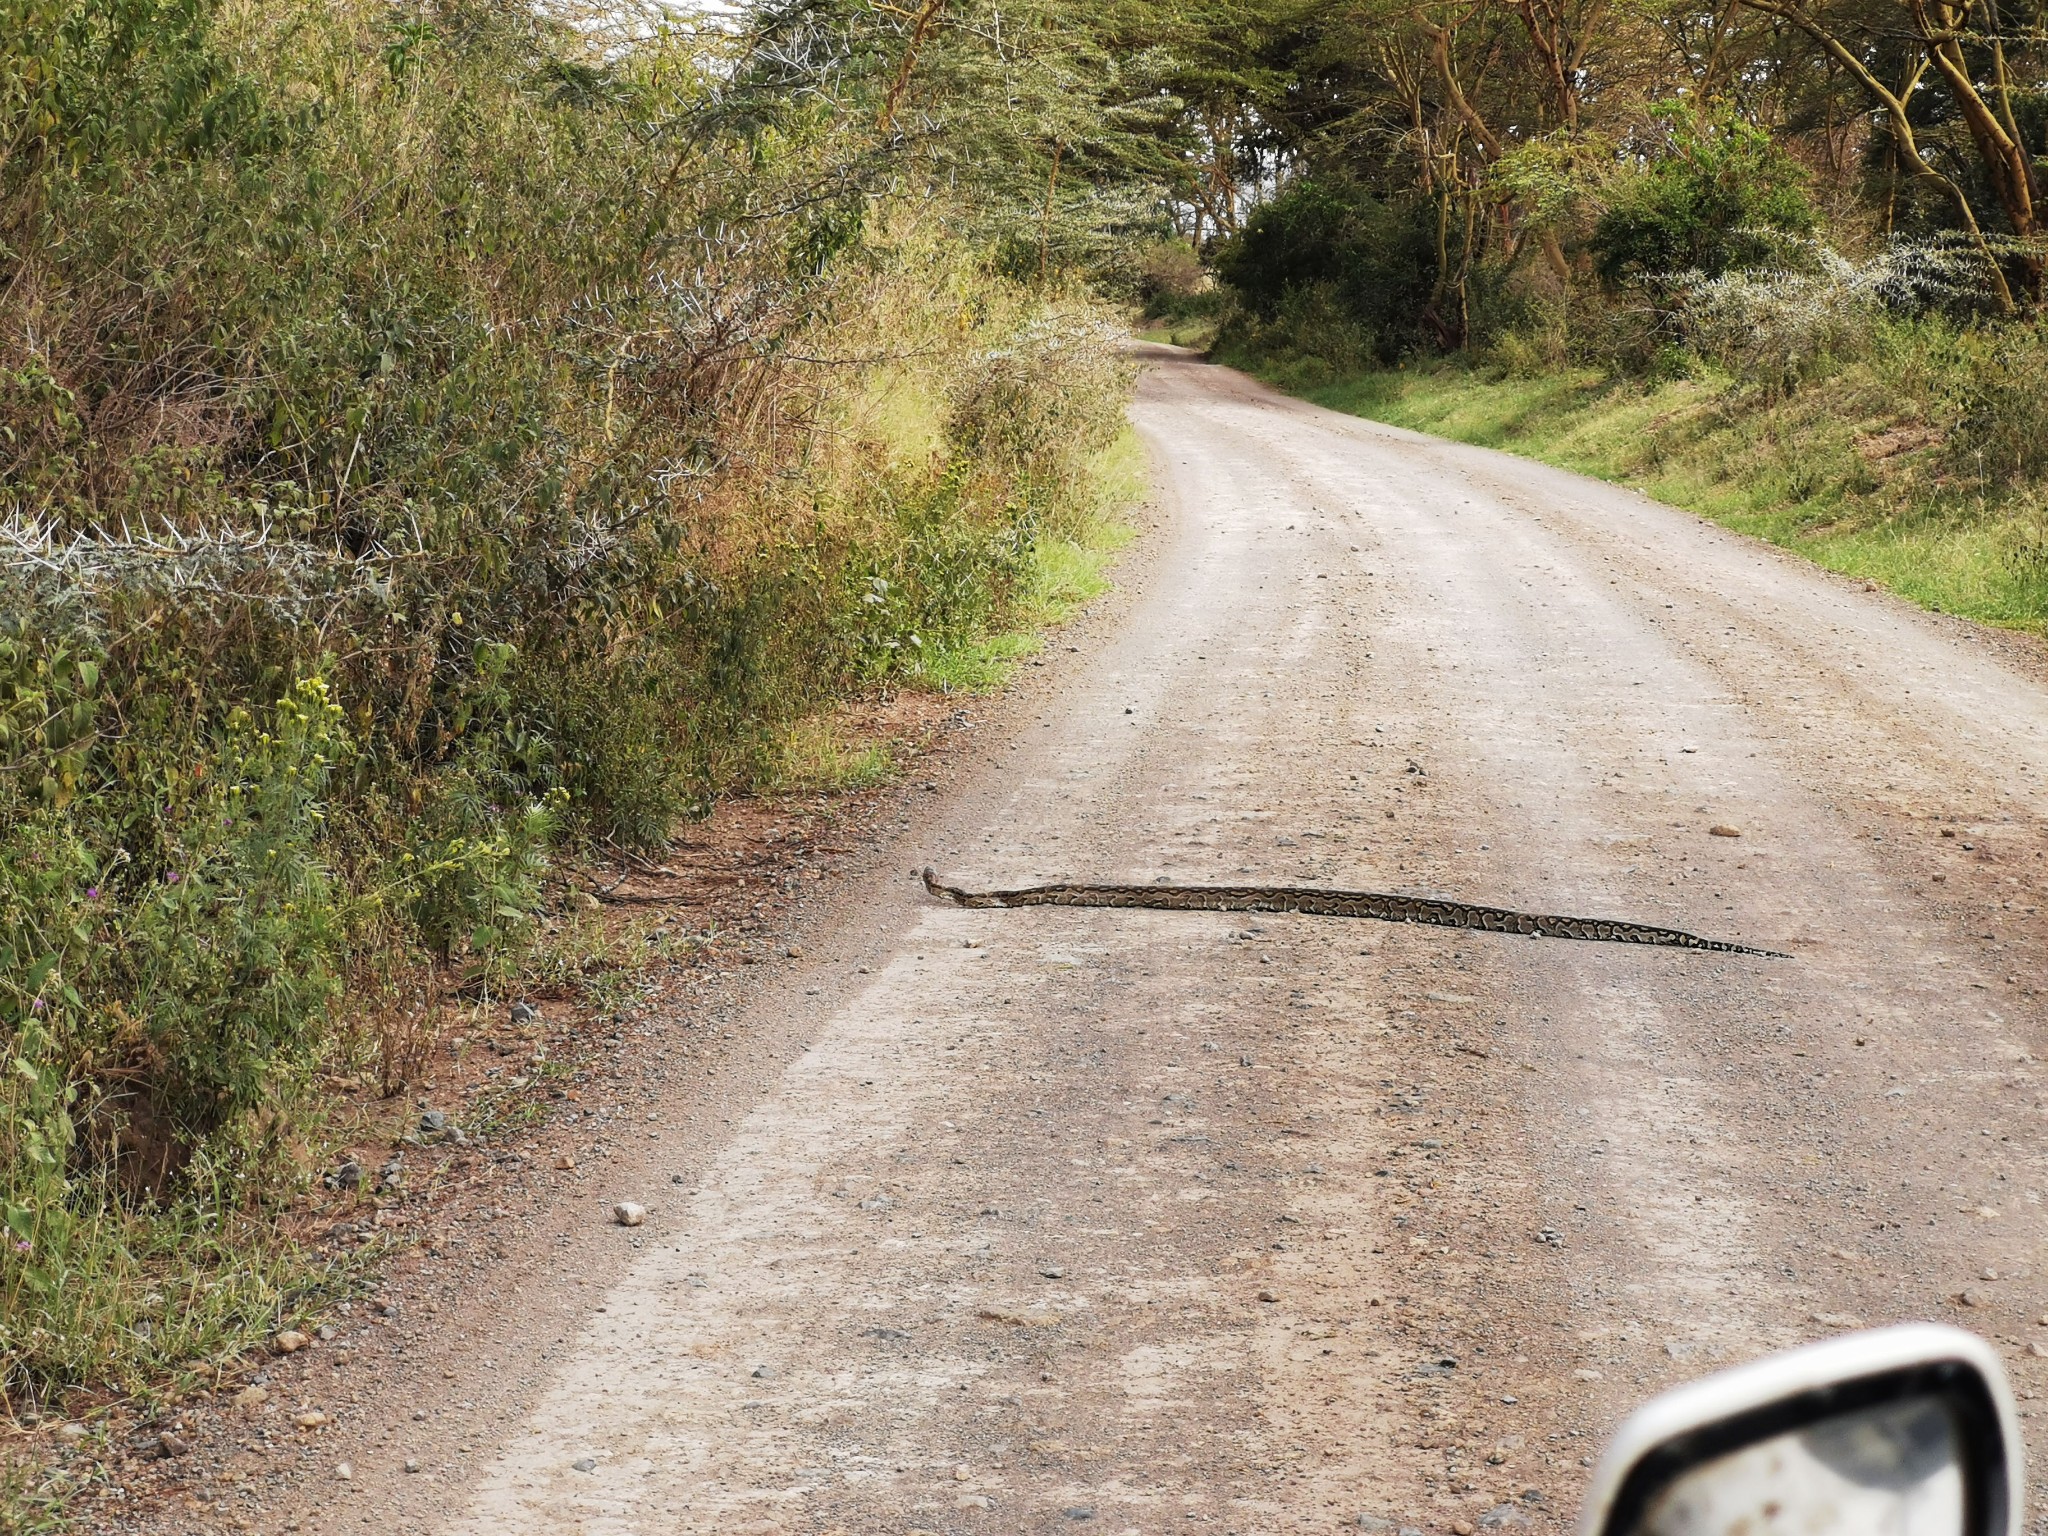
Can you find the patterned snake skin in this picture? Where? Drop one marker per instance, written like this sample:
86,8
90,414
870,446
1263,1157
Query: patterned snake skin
1320,903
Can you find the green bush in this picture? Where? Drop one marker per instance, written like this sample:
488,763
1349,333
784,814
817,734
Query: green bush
1326,269
186,970
1038,408
231,944
1311,339
1173,284
2002,438
1718,194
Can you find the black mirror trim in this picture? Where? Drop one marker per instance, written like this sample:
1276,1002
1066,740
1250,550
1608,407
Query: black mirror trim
1986,1477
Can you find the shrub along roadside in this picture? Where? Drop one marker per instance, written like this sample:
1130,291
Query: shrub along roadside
427,441
1702,323
171,1000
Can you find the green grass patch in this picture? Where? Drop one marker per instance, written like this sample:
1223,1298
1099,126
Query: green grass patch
152,1304
152,1307
1845,472
1067,569
818,756
1193,331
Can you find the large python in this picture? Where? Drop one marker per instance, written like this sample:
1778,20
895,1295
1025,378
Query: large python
1314,902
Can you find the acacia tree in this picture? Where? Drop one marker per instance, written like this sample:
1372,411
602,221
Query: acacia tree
1511,125
1971,63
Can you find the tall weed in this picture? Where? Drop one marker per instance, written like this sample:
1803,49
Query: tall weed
2001,441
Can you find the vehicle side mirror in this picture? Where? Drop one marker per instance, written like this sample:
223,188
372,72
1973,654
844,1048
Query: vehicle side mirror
1904,1431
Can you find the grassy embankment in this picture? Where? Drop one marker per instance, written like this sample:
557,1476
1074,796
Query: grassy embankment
1064,570
1195,332
1886,470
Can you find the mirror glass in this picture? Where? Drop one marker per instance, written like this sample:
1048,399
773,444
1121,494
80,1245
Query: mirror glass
1892,1470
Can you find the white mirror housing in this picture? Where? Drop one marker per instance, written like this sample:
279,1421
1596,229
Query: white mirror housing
1906,1431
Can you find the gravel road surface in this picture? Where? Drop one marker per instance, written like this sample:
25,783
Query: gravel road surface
1137,1222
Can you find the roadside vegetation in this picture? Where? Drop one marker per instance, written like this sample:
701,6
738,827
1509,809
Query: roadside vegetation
1780,261
436,441
1848,472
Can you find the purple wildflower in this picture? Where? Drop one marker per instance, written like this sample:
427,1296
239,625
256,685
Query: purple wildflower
92,893
171,878
38,1006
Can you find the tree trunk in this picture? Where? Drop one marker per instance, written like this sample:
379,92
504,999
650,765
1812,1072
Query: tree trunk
1488,140
1905,141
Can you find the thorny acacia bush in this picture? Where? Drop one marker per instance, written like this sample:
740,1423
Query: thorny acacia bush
1895,312
425,436
1775,327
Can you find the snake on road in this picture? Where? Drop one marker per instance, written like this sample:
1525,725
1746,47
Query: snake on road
1312,901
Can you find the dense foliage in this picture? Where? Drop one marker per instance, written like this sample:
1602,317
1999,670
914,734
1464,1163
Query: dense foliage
430,435
1554,167
1719,195
1329,251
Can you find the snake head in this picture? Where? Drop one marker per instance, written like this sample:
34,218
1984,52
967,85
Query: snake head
931,880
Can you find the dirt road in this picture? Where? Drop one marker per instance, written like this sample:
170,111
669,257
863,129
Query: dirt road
1145,1222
